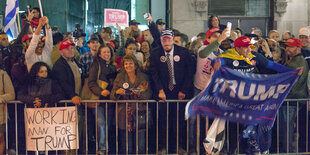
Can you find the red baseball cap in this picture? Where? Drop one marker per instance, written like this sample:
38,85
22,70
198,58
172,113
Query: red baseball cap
112,44
26,37
242,42
65,44
293,42
211,31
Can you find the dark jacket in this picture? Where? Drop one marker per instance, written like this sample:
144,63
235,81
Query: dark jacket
19,75
183,70
47,90
10,55
306,53
155,34
122,80
107,73
299,89
64,75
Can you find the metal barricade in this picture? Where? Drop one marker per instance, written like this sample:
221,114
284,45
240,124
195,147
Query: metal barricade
174,140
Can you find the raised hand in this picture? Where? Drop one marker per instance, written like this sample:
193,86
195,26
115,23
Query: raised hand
30,16
118,27
150,19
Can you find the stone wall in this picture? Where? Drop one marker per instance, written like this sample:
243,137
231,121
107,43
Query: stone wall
294,16
186,19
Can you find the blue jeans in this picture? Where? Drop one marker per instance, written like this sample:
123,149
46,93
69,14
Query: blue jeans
258,138
132,142
291,118
101,127
193,125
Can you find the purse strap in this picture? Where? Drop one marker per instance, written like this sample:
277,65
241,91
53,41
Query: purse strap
99,71
3,82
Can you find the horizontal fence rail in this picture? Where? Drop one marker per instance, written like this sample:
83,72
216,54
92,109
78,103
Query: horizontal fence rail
157,127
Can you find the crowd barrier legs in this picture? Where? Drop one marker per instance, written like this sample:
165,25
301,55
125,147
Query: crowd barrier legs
176,134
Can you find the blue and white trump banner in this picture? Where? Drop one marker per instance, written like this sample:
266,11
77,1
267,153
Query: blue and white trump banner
10,24
246,98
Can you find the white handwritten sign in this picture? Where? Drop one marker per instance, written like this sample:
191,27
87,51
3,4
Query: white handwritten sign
51,128
115,16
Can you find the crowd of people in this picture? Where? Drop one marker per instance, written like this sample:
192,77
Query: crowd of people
43,66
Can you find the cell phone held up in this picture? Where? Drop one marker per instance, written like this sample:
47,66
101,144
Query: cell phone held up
146,15
229,28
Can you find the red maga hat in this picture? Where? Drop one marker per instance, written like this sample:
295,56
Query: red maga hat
293,42
242,42
212,31
65,44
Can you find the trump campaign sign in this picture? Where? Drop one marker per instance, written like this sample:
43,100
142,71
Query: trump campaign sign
51,128
115,16
243,97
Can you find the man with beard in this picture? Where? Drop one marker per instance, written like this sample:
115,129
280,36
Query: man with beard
172,75
289,113
40,50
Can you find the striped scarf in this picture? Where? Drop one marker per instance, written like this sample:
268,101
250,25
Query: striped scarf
233,54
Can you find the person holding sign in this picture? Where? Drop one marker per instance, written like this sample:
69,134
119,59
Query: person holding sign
288,114
40,90
257,138
6,94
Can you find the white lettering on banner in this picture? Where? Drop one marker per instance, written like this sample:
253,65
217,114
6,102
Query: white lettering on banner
228,105
51,128
255,92
116,17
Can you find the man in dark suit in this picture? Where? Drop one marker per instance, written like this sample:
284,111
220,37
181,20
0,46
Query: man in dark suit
172,74
181,63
